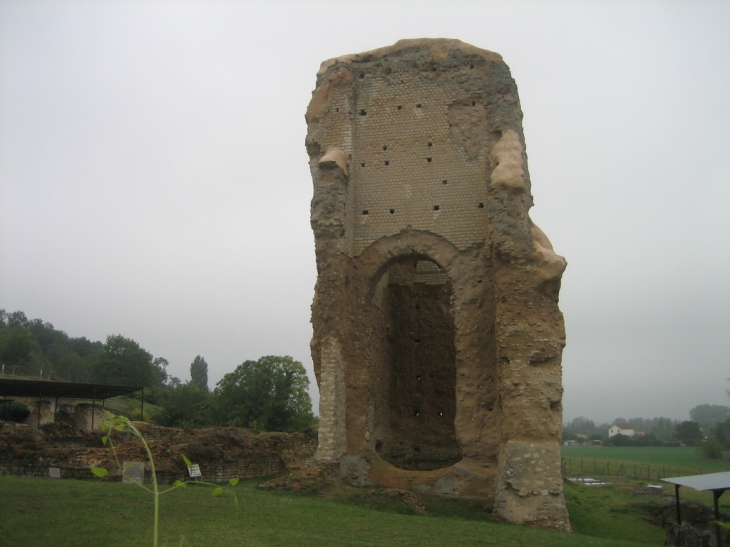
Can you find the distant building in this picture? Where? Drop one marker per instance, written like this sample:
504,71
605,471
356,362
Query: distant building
621,429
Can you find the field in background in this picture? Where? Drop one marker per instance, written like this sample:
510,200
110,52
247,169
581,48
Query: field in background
41,512
676,461
646,463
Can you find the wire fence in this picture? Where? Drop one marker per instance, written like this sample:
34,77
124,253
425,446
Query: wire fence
630,470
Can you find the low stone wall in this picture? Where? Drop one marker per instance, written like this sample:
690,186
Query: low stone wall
221,453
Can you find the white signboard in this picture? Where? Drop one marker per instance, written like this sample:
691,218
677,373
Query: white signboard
194,471
133,472
54,472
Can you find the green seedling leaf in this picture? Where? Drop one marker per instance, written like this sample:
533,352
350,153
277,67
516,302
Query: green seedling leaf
104,426
180,483
104,440
233,482
186,460
99,472
119,427
218,491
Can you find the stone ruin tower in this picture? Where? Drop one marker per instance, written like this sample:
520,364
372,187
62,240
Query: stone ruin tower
437,334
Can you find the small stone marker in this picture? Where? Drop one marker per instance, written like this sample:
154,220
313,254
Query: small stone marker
194,471
54,472
133,472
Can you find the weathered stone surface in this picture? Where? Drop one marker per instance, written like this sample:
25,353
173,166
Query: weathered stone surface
437,335
222,453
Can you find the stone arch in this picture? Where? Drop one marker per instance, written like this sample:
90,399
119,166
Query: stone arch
409,301
382,253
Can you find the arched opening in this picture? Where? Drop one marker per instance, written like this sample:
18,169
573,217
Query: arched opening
415,387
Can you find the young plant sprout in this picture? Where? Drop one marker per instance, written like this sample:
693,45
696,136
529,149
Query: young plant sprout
122,423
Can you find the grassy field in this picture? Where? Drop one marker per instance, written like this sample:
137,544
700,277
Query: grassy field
675,460
649,463
41,512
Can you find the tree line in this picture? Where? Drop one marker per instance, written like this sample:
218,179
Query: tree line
270,394
709,425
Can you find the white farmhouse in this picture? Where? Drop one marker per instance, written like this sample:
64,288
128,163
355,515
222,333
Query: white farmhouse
621,429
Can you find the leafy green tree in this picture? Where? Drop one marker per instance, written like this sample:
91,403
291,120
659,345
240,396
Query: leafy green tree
708,416
186,405
159,365
619,440
663,428
712,449
199,372
13,319
271,393
580,426
689,432
721,432
123,362
15,346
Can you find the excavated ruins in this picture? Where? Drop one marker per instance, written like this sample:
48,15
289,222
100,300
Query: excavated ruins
437,335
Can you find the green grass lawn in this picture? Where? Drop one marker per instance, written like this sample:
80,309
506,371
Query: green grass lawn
686,458
42,512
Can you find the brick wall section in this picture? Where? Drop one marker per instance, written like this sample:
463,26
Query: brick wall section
408,170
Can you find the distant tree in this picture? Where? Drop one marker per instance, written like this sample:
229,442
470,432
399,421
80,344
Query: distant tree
16,345
199,372
689,432
619,440
123,362
174,381
580,426
271,393
160,370
721,432
14,319
186,405
568,436
708,416
712,449
663,428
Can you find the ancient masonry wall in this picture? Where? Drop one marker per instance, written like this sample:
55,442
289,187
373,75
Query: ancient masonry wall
88,417
437,335
28,454
45,410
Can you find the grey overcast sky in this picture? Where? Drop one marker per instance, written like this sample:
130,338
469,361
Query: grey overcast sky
154,181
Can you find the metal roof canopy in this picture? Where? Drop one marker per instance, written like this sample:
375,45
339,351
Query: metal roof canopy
69,390
717,483
44,388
